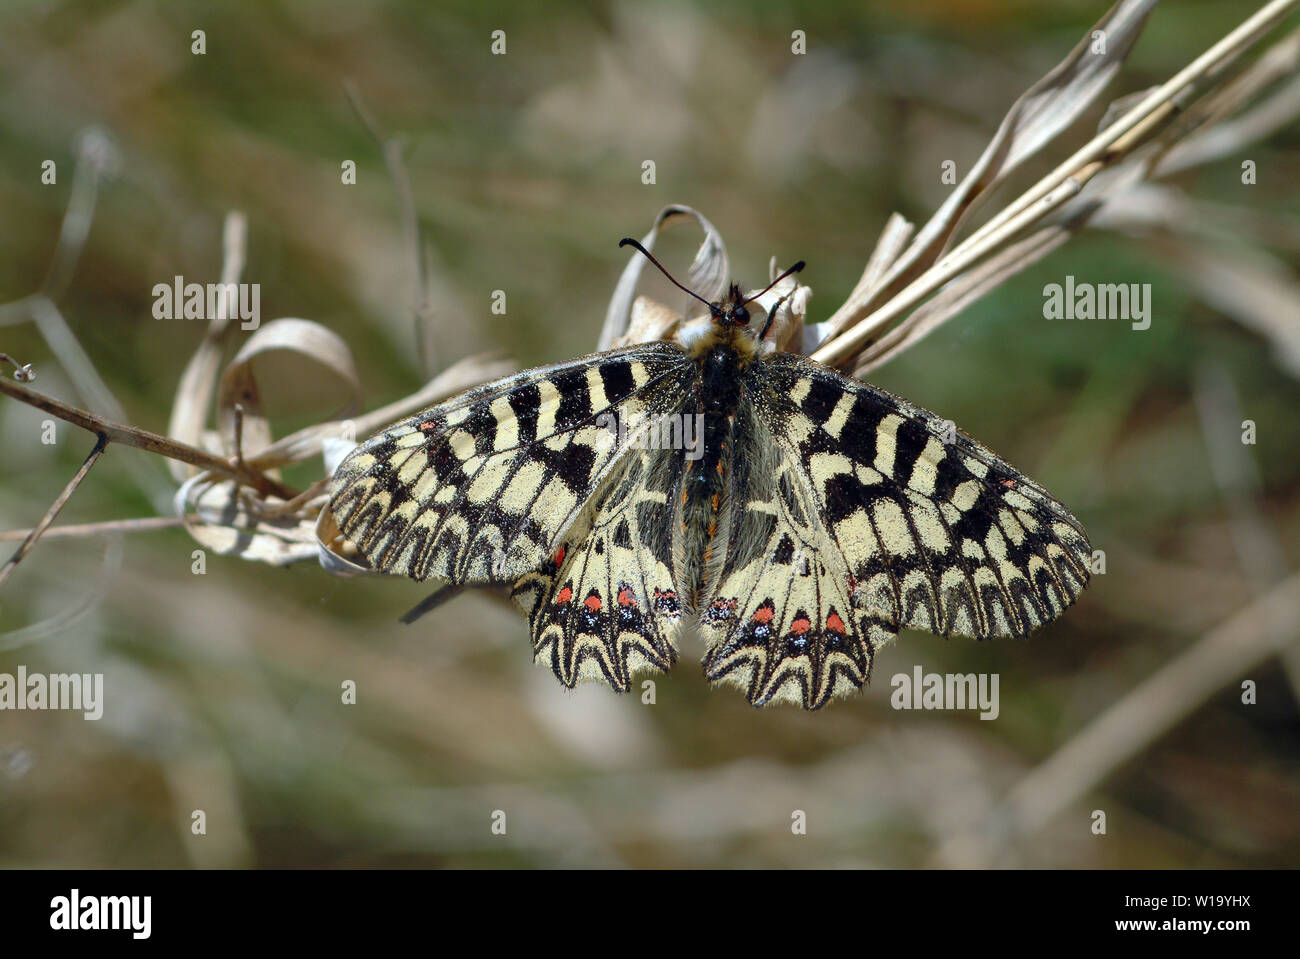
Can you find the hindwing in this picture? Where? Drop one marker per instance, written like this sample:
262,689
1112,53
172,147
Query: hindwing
606,606
782,623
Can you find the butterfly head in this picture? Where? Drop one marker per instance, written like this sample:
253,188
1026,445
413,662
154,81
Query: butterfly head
732,311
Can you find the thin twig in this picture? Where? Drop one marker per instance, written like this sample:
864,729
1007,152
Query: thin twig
145,440
271,510
142,524
23,372
239,435
6,571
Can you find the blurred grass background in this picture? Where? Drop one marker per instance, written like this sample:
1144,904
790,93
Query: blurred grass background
223,689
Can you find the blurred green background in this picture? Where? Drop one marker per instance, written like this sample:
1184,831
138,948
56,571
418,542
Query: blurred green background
223,689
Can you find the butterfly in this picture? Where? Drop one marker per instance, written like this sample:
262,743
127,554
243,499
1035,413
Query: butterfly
797,517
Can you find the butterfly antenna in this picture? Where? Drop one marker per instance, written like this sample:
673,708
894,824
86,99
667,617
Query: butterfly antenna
628,241
771,314
794,269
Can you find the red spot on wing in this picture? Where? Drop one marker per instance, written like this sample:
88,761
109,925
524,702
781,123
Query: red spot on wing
592,603
763,614
429,426
558,558
625,597
835,624
565,595
800,626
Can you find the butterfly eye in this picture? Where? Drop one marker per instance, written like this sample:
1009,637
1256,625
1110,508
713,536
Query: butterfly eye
740,316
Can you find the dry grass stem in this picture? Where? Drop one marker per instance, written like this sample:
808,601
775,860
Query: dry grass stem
6,571
145,440
1118,140
143,524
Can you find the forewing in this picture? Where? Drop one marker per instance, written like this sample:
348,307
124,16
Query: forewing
936,532
481,489
605,607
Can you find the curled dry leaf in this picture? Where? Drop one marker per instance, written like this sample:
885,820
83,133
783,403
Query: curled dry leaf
333,550
708,276
235,520
791,302
221,515
650,321
198,384
229,519
643,320
238,385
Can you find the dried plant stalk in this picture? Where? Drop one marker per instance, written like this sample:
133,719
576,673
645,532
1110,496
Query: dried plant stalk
1116,141
7,570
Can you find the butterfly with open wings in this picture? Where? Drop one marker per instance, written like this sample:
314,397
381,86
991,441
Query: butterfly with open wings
816,517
